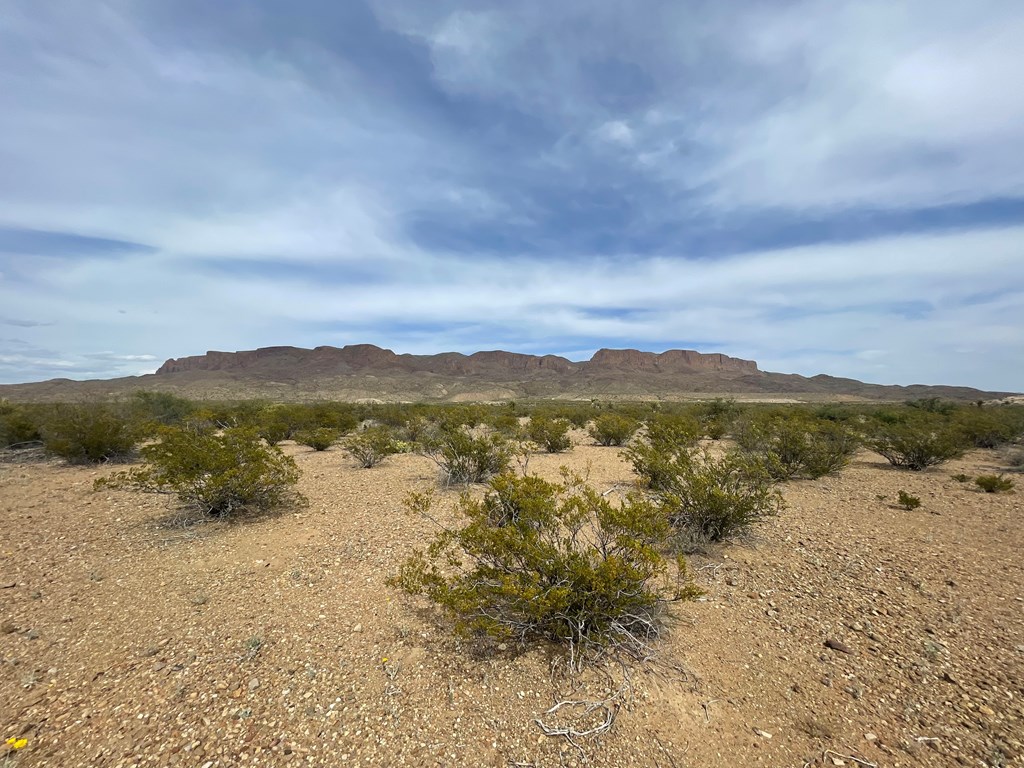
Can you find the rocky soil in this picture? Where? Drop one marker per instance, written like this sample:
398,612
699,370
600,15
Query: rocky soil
845,632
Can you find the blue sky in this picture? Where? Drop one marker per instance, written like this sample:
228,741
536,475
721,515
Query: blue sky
824,187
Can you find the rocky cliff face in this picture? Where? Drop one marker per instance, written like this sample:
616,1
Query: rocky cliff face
367,358
672,361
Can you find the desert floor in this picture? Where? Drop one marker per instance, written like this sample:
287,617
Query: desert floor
129,640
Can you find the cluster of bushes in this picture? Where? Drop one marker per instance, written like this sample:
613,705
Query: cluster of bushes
533,559
796,444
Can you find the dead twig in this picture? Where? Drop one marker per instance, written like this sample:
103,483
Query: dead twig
706,706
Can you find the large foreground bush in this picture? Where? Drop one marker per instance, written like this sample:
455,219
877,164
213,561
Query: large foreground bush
553,561
215,473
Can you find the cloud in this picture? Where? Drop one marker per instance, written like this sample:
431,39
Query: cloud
824,187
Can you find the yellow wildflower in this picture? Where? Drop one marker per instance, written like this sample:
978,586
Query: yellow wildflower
14,743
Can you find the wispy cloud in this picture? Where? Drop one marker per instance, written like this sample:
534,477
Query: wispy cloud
825,187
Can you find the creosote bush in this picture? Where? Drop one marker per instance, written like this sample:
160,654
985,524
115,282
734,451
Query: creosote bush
464,457
994,483
907,501
795,445
215,473
613,429
318,439
551,434
713,499
917,444
655,458
704,498
89,434
372,445
19,426
537,560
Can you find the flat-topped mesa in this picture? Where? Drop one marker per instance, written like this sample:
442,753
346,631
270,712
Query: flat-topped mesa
298,362
228,361
670,361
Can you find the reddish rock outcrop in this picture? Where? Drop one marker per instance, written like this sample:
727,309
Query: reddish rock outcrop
671,361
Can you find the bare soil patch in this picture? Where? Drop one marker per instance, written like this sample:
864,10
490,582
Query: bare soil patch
128,638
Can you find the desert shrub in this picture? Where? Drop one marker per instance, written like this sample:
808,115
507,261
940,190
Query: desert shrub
372,445
216,473
274,430
717,417
907,501
932,405
708,499
793,444
961,477
506,423
550,434
917,445
319,439
668,440
89,434
415,429
19,425
613,429
467,458
994,483
988,427
537,560
161,407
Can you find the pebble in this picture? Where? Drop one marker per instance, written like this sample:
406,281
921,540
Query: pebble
254,684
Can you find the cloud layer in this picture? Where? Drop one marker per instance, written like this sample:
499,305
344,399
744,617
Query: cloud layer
824,187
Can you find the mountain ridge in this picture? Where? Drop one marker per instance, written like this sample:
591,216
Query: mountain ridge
368,372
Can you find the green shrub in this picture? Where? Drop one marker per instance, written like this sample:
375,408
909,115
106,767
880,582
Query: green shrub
916,445
550,561
907,501
994,483
613,429
717,417
793,445
708,499
318,439
18,426
961,478
988,427
371,446
216,473
161,407
668,440
94,433
466,458
550,434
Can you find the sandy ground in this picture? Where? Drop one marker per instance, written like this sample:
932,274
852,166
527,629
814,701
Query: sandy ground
128,641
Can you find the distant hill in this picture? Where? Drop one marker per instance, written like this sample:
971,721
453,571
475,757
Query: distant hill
367,372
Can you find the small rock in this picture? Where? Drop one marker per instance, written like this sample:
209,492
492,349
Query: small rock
949,678
32,634
762,734
254,684
857,627
870,737
8,584
357,628
838,645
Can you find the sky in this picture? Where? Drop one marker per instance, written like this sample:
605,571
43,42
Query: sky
824,187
